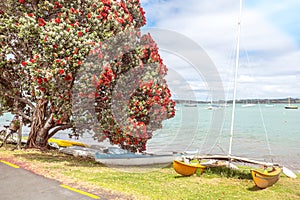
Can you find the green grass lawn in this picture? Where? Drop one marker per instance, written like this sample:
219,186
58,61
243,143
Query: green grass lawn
155,183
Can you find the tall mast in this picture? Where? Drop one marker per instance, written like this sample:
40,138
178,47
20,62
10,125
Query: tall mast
235,78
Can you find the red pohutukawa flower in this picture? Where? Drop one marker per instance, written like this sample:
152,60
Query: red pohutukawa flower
61,71
57,5
46,38
39,80
41,22
68,77
107,2
120,20
57,20
24,63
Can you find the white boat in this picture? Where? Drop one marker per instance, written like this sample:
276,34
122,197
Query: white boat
248,105
269,105
190,105
212,107
134,159
120,157
290,106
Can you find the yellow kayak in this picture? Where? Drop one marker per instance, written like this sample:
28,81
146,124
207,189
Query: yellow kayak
266,179
66,143
187,169
60,142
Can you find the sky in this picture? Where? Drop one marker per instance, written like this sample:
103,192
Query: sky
269,45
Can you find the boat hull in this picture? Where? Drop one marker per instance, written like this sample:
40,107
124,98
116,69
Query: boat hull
291,107
187,169
266,179
66,143
133,159
190,105
248,105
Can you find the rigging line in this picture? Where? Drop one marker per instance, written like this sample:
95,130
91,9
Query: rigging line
209,133
206,137
197,128
213,116
265,129
261,115
217,143
229,87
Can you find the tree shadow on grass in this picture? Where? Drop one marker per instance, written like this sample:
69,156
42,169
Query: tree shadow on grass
56,157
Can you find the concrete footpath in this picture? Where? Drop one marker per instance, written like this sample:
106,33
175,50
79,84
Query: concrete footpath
17,183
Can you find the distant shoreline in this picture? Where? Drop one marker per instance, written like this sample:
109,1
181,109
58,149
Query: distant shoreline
243,101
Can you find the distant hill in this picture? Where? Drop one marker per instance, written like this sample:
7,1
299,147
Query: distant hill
242,101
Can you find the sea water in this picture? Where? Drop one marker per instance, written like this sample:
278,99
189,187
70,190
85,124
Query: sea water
261,132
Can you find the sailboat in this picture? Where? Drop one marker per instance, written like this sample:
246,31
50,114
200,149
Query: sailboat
269,105
290,106
229,157
190,103
248,105
212,106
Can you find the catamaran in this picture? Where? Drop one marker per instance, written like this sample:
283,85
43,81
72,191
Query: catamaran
272,177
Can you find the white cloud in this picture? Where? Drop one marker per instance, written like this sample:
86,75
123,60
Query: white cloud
270,55
246,79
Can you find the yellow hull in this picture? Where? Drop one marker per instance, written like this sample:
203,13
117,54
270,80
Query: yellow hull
187,169
66,143
265,179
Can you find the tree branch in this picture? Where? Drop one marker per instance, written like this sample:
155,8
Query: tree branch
63,127
16,53
26,101
24,115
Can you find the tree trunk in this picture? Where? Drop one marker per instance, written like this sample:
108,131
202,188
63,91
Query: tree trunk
40,127
19,142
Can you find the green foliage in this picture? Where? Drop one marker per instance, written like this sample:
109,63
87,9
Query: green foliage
47,46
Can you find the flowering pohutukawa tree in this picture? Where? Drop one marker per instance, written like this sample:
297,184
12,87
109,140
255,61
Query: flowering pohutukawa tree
130,93
44,45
